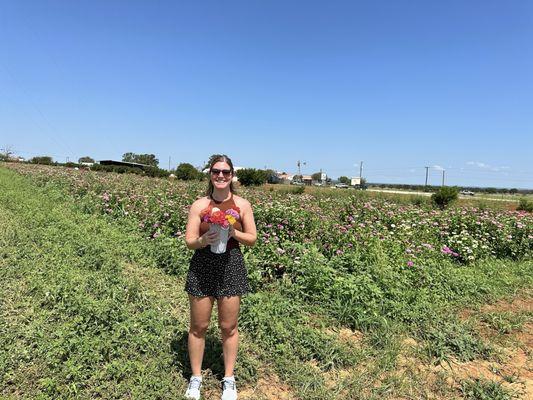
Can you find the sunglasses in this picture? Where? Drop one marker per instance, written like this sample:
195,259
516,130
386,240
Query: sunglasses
225,172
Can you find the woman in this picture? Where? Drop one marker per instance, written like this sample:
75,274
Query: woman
221,276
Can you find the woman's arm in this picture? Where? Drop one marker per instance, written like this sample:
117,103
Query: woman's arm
192,233
248,236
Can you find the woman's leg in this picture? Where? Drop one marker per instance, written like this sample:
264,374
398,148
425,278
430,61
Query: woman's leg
228,313
200,314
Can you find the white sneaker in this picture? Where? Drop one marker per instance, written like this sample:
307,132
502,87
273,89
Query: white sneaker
193,391
229,389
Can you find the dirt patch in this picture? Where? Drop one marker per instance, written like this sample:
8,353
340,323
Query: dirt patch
515,368
268,387
346,335
350,336
525,336
516,373
517,305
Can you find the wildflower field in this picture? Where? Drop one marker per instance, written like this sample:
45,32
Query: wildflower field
354,296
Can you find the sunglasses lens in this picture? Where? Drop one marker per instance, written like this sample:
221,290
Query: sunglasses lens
225,172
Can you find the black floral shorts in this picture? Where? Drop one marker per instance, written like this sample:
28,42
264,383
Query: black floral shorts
217,275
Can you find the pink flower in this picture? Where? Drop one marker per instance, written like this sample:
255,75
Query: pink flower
233,213
410,263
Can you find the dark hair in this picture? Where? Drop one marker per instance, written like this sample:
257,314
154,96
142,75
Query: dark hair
219,158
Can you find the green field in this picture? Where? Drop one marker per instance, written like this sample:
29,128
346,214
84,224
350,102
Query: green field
92,302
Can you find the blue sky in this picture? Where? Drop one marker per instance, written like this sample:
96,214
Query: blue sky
398,84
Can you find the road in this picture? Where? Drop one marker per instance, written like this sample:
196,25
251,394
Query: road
429,194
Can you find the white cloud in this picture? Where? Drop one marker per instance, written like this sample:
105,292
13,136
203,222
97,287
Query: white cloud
485,166
438,168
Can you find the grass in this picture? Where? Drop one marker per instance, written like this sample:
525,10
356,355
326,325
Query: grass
505,322
497,202
482,389
74,325
90,309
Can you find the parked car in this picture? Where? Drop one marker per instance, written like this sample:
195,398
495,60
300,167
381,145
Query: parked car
297,183
341,186
467,193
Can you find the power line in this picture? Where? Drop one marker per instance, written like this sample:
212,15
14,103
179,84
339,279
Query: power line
43,116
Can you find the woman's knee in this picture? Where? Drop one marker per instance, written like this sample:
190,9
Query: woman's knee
228,329
199,329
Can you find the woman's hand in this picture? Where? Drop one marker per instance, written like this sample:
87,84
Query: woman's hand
231,233
208,238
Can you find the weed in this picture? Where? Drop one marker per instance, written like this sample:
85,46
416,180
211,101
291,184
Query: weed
481,389
504,322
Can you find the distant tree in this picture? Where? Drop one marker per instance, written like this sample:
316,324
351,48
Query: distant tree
297,178
316,176
129,157
187,172
146,159
344,179
513,191
86,159
7,151
252,176
208,163
46,160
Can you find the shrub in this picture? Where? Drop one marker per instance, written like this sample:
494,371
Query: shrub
86,159
344,179
292,190
525,205
46,160
418,200
187,172
119,169
298,190
156,172
252,176
445,195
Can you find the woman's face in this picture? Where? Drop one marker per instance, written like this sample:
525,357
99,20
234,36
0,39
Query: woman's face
221,175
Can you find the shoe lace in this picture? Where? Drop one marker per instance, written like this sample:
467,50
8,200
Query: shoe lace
195,383
227,384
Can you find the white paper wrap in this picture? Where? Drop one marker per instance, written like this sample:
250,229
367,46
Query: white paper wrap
220,246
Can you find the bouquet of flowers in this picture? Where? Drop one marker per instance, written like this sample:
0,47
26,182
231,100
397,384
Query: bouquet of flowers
220,221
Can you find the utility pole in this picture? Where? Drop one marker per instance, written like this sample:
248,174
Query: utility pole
67,159
361,170
443,171
427,173
299,169
169,163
